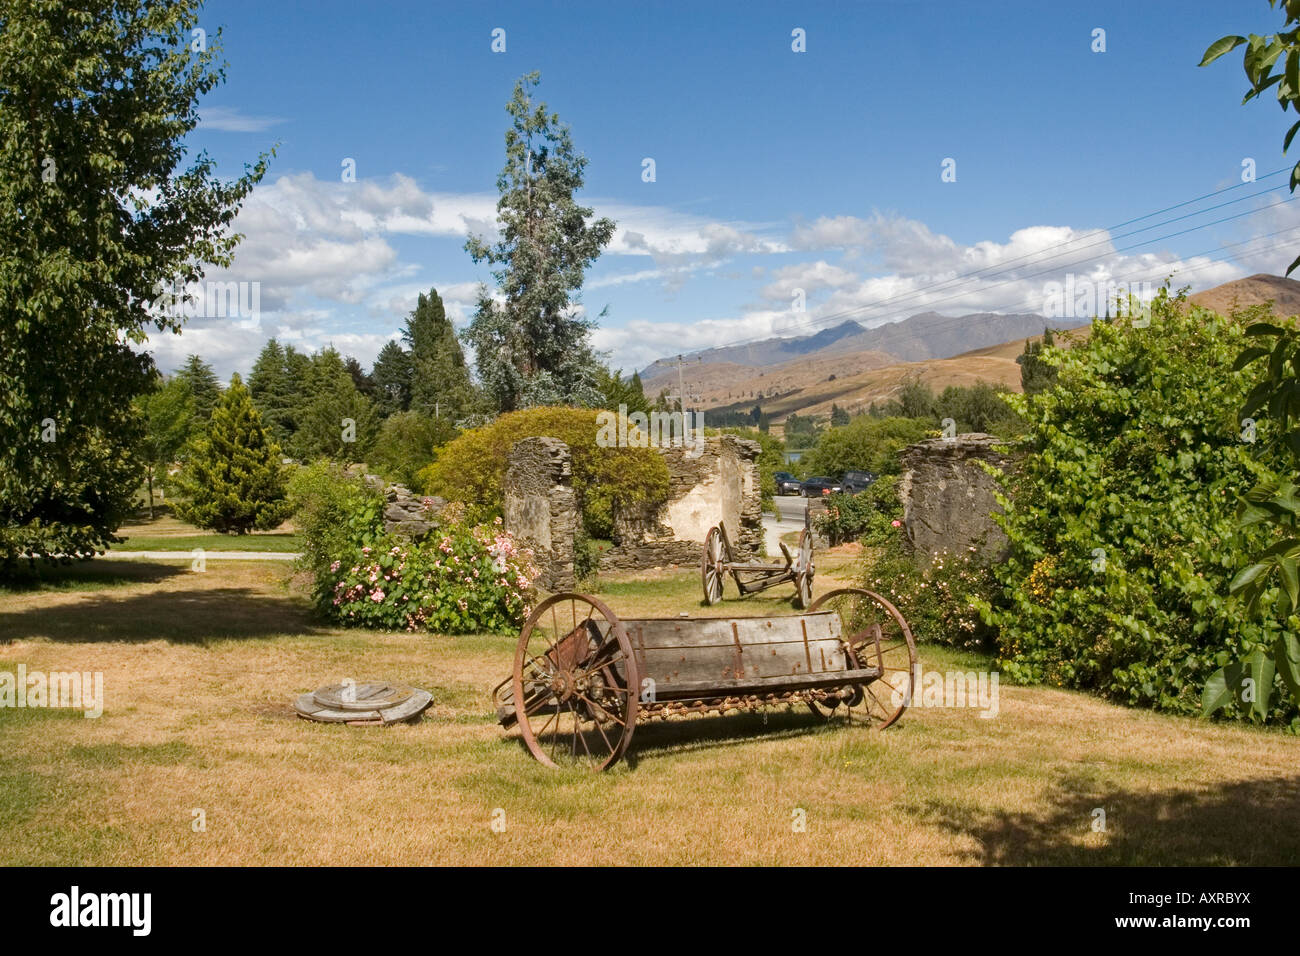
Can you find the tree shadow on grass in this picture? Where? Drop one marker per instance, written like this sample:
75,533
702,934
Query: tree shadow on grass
90,576
188,616
1242,823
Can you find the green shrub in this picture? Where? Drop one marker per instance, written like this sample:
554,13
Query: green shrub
471,467
872,516
334,513
1121,517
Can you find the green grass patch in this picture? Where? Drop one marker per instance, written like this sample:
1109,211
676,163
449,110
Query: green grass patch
212,542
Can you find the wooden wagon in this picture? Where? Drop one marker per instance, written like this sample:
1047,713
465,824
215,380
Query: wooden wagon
717,561
585,678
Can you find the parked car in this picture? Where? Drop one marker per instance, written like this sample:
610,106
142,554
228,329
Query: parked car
855,481
787,484
816,487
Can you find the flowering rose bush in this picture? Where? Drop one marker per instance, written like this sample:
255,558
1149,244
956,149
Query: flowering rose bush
459,580
941,602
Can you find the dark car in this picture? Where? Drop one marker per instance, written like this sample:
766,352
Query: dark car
855,481
816,487
787,484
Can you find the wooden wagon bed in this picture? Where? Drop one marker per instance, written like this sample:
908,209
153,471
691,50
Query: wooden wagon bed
586,677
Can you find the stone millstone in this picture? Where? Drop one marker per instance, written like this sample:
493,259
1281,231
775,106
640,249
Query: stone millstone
370,704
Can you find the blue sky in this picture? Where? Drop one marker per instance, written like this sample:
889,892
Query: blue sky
775,170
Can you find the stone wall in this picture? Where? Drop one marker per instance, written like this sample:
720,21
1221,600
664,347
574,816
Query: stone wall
718,482
948,498
540,509
406,514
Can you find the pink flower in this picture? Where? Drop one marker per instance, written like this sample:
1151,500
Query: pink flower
896,523
376,595
334,566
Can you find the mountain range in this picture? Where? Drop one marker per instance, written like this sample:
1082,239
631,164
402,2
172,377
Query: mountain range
853,366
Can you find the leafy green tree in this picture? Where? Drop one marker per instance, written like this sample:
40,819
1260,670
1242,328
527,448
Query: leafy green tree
800,431
97,212
1121,517
392,374
168,414
440,383
980,407
534,347
234,481
471,468
864,444
839,416
1270,578
405,445
334,419
1271,60
274,390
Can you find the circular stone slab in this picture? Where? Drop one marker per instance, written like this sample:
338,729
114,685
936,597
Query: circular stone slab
370,703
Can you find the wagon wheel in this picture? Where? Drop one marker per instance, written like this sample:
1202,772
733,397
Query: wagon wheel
878,636
803,579
713,564
575,683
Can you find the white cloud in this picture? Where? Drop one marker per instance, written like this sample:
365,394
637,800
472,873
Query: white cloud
229,119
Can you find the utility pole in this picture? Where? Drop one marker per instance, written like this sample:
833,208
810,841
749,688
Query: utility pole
681,389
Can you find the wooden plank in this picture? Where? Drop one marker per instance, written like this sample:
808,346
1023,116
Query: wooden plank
717,631
667,665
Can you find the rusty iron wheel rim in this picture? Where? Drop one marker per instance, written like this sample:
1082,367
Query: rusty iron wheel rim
591,684
895,653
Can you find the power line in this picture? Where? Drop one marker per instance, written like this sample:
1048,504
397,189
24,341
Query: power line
1002,267
893,301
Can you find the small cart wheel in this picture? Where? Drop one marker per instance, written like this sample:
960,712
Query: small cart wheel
576,683
804,571
713,564
878,636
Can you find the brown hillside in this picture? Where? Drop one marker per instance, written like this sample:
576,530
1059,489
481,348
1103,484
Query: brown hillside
1253,290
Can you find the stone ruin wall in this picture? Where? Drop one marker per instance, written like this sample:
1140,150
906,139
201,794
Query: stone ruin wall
540,508
948,498
718,483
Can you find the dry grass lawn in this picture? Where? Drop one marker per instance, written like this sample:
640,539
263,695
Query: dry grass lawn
201,670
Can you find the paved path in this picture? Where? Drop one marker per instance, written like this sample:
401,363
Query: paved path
208,555
788,517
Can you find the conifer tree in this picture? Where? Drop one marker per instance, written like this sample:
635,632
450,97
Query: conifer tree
204,386
234,480
392,374
273,390
440,383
